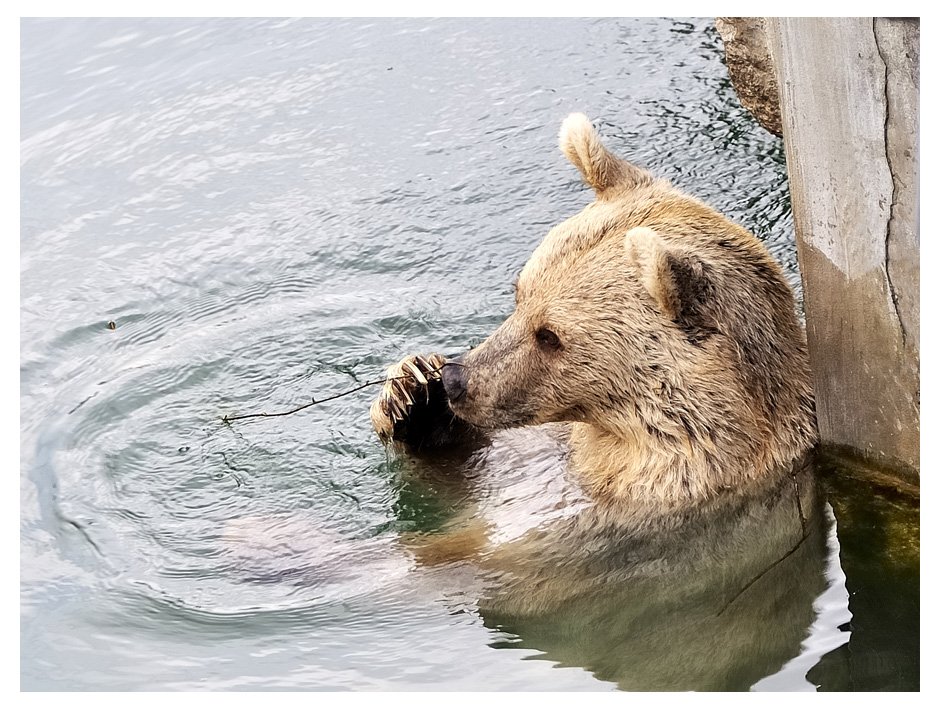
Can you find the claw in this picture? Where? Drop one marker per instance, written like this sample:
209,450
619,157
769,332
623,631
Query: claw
402,392
407,390
432,365
419,376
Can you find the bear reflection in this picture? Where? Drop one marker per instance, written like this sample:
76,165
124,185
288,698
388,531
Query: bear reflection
714,601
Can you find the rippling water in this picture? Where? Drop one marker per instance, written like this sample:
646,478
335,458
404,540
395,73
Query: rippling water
269,211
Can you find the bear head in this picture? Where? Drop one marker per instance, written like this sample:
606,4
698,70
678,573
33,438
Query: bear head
664,331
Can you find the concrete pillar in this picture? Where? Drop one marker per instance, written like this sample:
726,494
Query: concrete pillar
849,99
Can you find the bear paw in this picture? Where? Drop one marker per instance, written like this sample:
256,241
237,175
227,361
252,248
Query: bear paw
412,407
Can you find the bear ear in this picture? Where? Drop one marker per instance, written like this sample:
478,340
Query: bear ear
677,282
600,168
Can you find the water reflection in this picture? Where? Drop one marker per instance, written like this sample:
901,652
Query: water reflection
879,538
712,602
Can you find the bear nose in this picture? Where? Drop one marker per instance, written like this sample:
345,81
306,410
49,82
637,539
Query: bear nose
454,376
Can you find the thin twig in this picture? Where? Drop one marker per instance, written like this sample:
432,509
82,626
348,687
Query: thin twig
749,584
259,415
799,509
799,505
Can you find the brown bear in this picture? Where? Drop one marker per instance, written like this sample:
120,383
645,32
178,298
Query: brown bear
663,332
657,528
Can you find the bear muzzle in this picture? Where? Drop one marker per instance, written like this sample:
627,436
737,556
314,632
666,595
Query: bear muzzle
454,377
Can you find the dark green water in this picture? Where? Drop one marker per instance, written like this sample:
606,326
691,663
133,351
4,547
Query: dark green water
273,210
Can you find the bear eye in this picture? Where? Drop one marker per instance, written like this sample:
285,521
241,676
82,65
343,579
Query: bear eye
547,339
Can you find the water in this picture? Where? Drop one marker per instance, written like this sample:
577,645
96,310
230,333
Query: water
273,210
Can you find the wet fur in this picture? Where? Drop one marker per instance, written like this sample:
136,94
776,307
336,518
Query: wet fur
682,365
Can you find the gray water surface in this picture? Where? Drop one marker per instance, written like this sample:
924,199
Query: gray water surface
269,211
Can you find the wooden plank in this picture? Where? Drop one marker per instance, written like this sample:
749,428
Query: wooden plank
849,92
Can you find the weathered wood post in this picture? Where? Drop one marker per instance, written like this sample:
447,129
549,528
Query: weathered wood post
849,109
